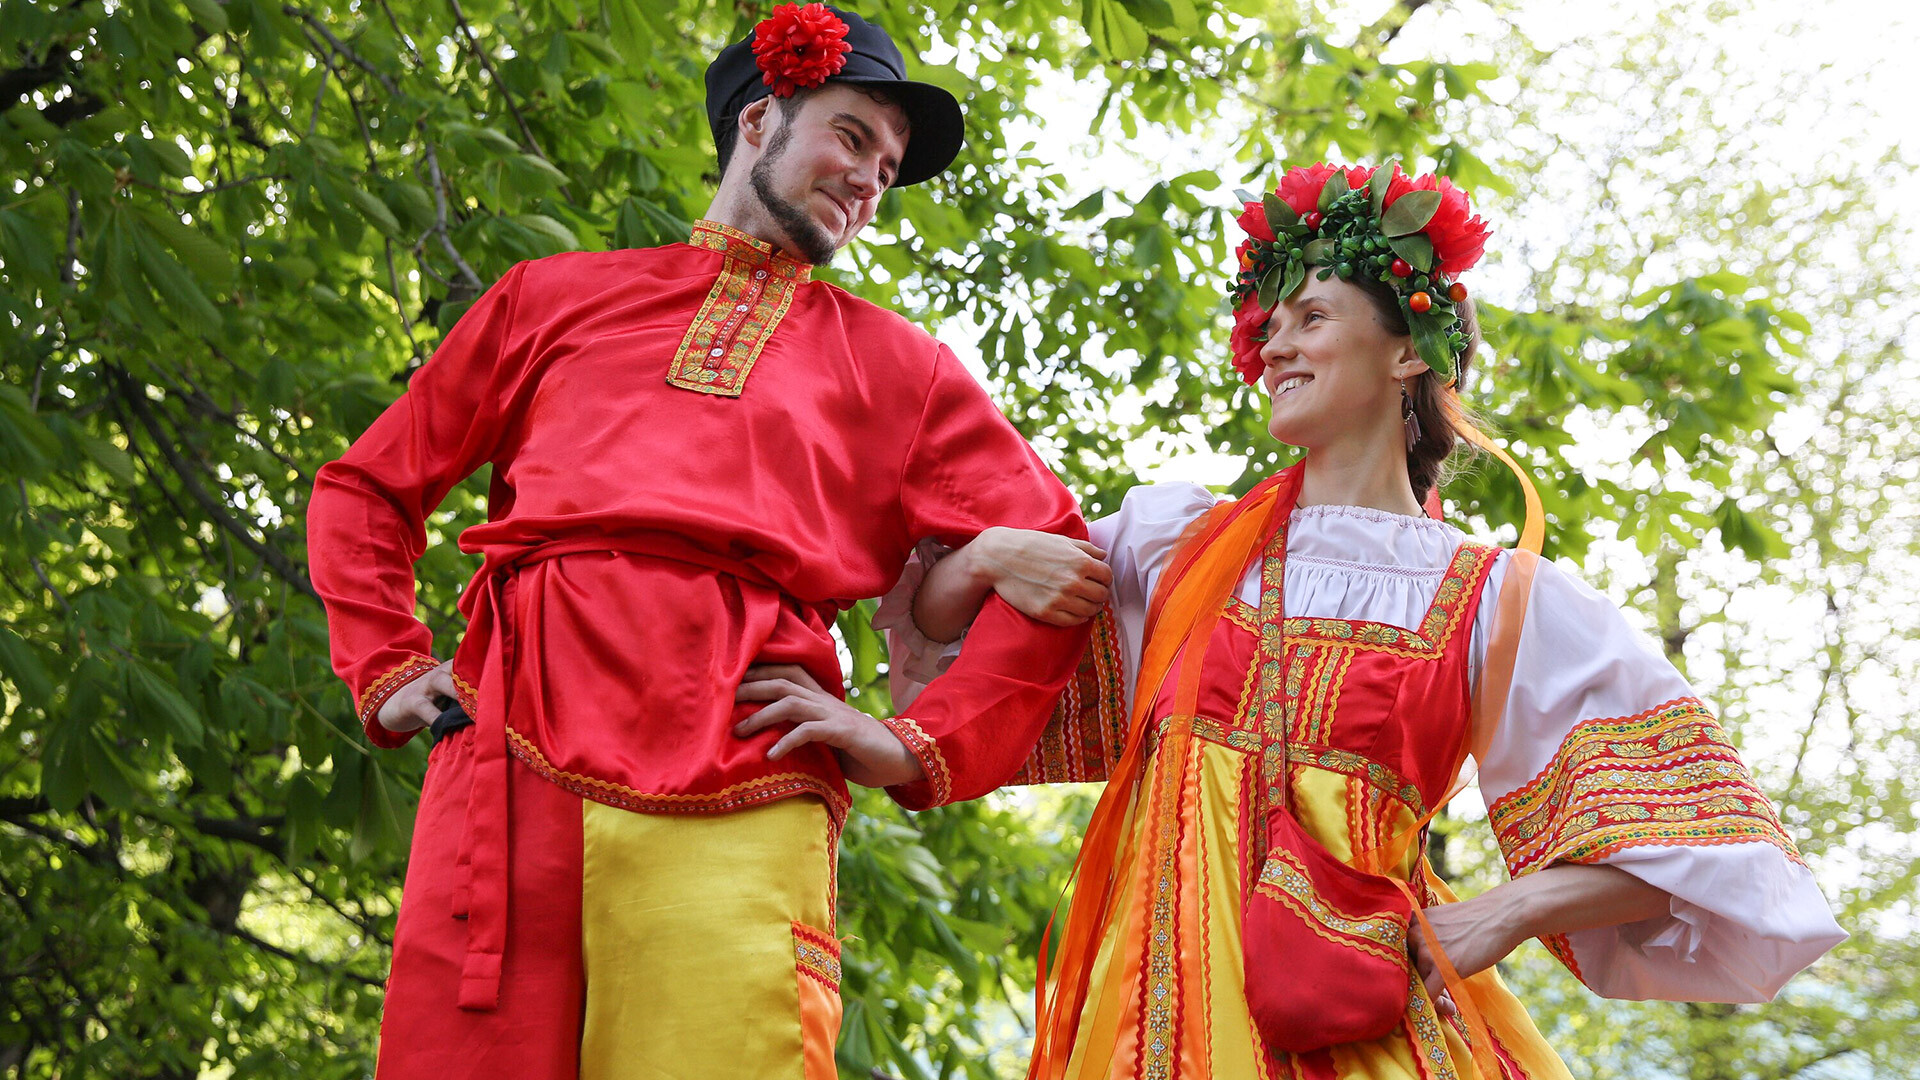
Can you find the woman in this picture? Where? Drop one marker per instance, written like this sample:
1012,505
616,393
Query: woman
1253,898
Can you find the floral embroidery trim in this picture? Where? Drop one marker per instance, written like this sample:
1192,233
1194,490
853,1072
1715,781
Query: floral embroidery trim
746,304
1381,933
1378,777
1667,776
923,747
1429,1038
1242,614
1443,617
381,689
1160,989
816,955
1088,729
762,789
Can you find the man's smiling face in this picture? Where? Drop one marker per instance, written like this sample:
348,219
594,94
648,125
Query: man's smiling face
826,159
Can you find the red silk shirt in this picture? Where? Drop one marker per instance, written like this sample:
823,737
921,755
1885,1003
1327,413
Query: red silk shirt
699,456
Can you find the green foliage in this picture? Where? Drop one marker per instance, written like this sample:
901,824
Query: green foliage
232,228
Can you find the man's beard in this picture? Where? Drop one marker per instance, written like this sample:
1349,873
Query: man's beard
806,233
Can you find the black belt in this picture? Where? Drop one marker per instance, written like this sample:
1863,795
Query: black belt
451,719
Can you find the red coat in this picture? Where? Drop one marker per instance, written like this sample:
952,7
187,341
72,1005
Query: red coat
699,456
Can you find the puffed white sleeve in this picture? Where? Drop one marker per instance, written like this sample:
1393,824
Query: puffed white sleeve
1138,538
1605,755
913,658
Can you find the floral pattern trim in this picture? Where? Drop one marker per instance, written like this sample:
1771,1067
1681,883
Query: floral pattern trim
748,300
1451,600
384,687
1088,729
922,746
817,956
1667,776
1382,933
763,789
1161,988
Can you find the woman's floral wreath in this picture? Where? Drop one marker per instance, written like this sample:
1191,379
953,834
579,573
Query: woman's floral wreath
799,47
1416,234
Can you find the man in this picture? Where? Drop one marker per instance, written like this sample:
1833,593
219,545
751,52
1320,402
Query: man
700,455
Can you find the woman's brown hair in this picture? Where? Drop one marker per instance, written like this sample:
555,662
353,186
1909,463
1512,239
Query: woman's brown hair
1440,412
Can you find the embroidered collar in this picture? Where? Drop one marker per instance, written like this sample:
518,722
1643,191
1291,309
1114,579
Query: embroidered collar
748,250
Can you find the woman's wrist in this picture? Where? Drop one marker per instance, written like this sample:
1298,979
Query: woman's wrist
978,565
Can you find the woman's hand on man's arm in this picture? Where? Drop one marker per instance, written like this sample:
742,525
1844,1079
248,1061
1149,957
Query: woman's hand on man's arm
1049,577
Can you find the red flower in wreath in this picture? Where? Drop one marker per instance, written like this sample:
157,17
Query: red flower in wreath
799,46
1459,236
1248,321
1253,221
1300,188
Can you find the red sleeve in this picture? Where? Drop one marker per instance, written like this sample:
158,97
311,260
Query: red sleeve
366,522
967,470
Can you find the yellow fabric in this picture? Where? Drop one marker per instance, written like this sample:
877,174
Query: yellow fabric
1166,996
689,944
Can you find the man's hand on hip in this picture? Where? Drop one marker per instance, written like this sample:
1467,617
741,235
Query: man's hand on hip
417,704
870,755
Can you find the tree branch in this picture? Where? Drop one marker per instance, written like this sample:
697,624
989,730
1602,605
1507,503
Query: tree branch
473,46
133,394
296,958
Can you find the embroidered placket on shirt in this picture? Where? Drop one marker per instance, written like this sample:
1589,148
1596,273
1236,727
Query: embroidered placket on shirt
752,294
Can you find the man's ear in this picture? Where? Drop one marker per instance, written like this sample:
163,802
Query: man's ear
756,120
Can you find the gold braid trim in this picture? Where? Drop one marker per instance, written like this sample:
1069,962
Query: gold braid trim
763,789
922,746
382,688
1667,776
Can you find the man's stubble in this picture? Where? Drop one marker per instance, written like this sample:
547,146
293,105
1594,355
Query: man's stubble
813,242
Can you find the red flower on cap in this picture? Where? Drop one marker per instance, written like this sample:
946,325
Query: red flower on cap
799,46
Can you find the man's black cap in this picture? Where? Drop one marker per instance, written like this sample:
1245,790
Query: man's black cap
734,82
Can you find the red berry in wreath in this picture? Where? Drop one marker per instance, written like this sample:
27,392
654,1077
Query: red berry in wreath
1456,292
1420,302
1401,268
1313,219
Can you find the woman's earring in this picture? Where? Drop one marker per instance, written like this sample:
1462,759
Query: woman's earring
1407,418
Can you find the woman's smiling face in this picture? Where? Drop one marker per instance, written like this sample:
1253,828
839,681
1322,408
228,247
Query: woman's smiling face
1333,365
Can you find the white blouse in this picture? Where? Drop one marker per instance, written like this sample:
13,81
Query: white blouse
1744,916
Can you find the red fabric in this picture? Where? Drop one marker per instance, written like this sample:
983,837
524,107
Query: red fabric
645,542
536,1034
856,436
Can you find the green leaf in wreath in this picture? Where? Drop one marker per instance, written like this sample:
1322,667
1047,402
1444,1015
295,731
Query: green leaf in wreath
1377,187
1296,274
1320,251
1430,339
1279,214
1409,213
1416,249
1336,186
1270,289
